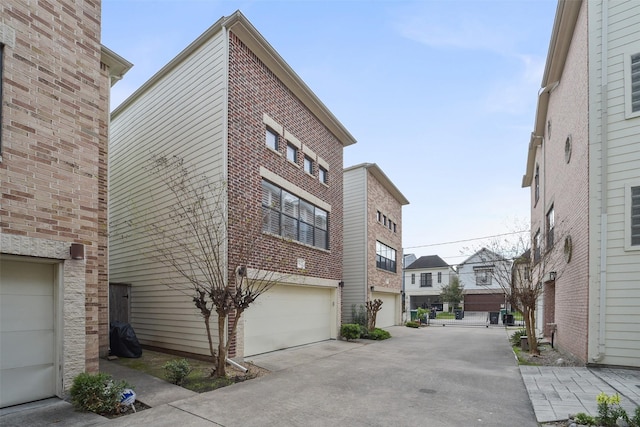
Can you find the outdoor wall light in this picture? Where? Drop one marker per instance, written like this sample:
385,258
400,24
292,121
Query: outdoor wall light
552,275
341,284
77,251
371,288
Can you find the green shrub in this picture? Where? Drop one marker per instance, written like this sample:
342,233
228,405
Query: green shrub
412,324
350,331
422,314
515,337
379,334
97,393
364,332
177,370
584,419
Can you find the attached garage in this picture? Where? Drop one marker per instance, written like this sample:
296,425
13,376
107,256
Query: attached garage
484,302
27,332
388,312
288,316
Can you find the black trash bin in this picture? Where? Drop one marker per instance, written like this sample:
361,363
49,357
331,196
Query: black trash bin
494,317
508,320
459,314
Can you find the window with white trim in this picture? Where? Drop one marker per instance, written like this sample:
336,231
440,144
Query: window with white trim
484,275
426,281
413,278
308,165
292,153
551,224
635,216
439,276
537,246
632,85
291,217
322,175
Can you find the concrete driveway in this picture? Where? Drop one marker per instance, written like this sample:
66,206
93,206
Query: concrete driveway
435,376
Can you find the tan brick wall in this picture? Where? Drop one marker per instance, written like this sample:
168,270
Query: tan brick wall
565,185
54,141
379,199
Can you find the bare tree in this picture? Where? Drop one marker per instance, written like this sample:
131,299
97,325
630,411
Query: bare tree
373,307
532,265
191,238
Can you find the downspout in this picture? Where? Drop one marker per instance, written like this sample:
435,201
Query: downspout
604,83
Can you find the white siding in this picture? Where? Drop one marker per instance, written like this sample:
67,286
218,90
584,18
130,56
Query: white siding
182,114
355,241
621,315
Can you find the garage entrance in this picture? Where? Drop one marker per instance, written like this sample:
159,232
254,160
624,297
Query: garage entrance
387,314
287,316
27,334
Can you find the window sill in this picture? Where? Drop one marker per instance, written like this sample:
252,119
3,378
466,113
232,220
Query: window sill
274,151
277,236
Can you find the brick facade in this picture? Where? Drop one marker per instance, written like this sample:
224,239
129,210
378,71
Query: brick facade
54,158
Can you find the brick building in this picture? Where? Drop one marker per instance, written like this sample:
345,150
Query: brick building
372,243
232,108
54,108
583,169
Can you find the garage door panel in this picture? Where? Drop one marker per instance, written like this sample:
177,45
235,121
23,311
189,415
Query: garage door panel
27,337
387,314
26,384
39,312
287,316
42,354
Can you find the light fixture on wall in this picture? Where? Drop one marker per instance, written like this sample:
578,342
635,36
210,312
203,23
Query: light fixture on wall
341,284
371,288
77,251
552,275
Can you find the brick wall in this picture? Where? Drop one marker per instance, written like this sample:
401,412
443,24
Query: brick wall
565,185
379,199
54,141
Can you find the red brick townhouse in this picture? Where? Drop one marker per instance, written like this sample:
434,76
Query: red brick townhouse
54,108
583,171
231,106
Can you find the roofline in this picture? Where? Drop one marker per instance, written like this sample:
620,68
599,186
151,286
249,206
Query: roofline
246,32
561,35
118,66
383,179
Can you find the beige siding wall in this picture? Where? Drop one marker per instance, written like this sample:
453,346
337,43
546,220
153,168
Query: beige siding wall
564,185
53,167
355,242
181,114
619,343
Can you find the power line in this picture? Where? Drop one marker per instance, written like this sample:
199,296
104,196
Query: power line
467,240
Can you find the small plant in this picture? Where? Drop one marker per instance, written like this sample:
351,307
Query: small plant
350,331
515,337
412,324
379,334
584,419
609,410
177,370
97,393
359,315
422,314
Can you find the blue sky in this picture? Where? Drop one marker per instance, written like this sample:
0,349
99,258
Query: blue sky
440,94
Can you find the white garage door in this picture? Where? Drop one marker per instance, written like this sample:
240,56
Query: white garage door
287,316
387,314
26,332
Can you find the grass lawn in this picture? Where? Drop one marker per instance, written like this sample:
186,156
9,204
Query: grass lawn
444,315
199,380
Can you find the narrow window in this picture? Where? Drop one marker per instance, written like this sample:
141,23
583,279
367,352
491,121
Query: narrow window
413,278
379,216
384,220
292,153
635,216
551,222
635,83
272,139
537,243
537,183
439,276
308,165
394,227
322,175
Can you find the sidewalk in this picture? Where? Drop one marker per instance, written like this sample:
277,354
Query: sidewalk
556,392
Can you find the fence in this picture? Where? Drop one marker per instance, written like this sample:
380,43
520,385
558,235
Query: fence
476,318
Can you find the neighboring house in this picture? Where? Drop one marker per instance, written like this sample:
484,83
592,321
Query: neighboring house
54,108
485,276
423,282
231,106
583,169
372,243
